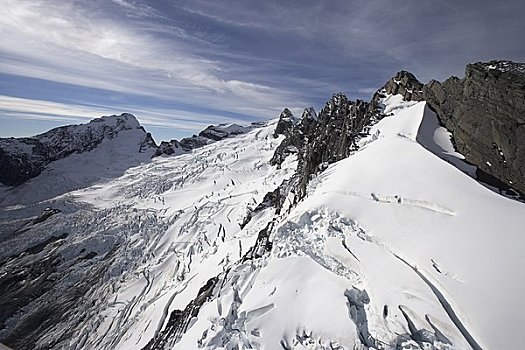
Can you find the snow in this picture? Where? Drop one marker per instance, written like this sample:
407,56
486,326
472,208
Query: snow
404,212
437,140
205,195
443,215
398,228
111,158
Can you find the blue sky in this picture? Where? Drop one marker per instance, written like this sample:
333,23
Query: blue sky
182,65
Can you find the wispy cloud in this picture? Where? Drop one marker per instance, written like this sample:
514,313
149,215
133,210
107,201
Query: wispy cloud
65,42
40,110
239,59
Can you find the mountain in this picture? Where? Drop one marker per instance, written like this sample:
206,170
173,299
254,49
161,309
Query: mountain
25,158
362,226
70,157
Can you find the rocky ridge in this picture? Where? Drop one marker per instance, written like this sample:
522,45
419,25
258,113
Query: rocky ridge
485,113
319,140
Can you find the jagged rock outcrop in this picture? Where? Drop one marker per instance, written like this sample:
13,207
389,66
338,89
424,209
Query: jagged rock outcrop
295,137
485,111
24,158
403,83
285,124
406,84
326,138
175,147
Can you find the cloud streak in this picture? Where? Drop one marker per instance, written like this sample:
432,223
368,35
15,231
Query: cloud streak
60,113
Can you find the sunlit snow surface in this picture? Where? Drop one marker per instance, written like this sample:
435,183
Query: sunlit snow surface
397,219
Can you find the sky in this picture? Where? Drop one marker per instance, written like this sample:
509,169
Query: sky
180,66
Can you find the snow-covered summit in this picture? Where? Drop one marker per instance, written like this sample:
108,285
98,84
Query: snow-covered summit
77,155
25,158
65,140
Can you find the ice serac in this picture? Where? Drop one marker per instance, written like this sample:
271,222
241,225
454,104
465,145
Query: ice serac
24,158
485,111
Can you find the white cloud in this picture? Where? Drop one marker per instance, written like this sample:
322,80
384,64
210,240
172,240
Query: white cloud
69,43
32,109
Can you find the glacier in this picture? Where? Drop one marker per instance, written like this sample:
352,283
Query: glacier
395,247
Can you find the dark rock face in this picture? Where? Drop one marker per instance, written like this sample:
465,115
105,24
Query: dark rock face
167,147
179,320
403,83
485,111
295,137
222,131
175,147
333,136
15,169
285,124
24,158
406,84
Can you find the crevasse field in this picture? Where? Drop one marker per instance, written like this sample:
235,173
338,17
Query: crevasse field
395,239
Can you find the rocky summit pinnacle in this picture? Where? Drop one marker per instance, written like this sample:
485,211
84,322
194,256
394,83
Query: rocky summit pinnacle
309,113
285,123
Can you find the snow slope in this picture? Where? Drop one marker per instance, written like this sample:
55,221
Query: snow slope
394,247
420,223
394,219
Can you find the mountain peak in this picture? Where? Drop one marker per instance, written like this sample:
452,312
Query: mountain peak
309,113
286,122
406,84
124,121
24,158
